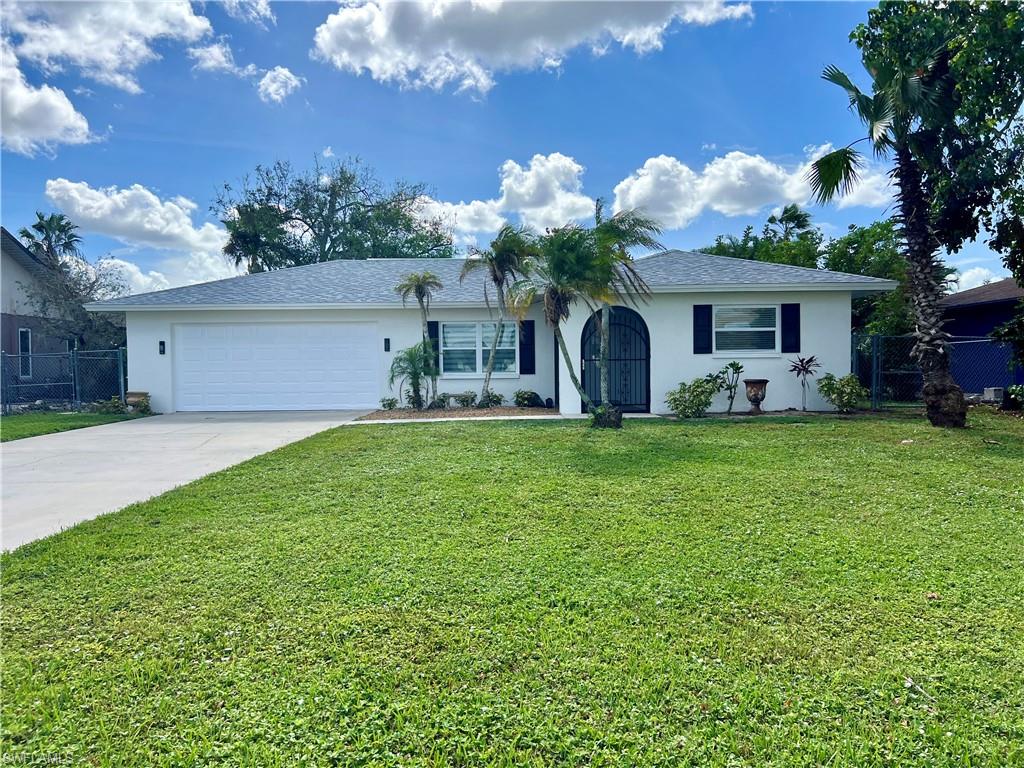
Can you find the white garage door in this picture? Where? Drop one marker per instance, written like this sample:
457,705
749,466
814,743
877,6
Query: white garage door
275,367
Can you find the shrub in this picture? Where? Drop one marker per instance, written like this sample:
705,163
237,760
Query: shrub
113,405
412,366
440,402
730,380
490,399
843,393
527,398
141,406
389,403
688,401
466,399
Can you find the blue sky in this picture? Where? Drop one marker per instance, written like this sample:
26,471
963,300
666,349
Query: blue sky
128,117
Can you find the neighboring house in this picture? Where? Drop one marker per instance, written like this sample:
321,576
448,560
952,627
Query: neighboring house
323,336
976,312
21,330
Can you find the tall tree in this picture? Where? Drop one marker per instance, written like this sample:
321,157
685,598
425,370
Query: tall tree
421,286
559,278
897,114
282,217
53,238
876,250
972,153
509,258
786,238
69,282
615,276
946,104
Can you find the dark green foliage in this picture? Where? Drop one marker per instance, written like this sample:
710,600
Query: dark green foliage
787,238
388,403
729,378
525,398
606,416
786,592
490,399
412,367
282,217
803,368
1012,332
465,399
113,405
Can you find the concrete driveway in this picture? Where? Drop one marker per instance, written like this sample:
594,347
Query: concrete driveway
51,482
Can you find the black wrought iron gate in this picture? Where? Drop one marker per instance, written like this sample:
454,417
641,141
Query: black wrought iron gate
629,360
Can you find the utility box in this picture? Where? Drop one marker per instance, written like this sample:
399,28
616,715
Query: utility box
992,395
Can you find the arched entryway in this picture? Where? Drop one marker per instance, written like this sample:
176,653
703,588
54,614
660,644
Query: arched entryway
629,369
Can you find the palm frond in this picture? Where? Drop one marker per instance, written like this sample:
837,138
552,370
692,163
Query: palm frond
834,173
836,76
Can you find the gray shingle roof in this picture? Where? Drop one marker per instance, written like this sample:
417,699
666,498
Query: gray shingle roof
371,282
14,248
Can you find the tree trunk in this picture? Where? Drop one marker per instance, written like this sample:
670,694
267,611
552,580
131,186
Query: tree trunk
432,382
489,368
943,399
572,371
606,332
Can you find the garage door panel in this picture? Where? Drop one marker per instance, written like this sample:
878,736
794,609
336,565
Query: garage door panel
278,366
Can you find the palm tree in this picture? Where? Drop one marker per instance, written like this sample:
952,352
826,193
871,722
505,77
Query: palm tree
615,276
791,221
508,259
422,285
53,238
559,278
897,115
412,365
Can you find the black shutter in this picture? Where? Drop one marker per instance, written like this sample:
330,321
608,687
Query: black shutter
702,329
432,333
527,350
790,328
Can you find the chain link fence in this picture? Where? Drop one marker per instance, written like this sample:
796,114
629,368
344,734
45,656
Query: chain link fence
62,379
886,367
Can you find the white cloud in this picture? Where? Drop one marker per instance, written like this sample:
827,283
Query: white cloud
665,189
735,184
218,57
874,190
278,84
467,220
35,119
108,41
974,277
548,193
255,11
328,152
136,216
139,218
430,44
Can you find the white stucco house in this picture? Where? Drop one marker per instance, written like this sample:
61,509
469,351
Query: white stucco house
323,336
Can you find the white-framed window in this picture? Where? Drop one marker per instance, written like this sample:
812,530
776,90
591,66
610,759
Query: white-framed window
466,347
25,353
748,329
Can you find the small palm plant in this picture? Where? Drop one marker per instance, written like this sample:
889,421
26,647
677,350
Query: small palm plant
412,366
422,285
804,368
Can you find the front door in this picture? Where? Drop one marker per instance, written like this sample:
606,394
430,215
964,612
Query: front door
629,361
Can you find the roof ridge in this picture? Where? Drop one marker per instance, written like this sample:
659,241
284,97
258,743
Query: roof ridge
768,264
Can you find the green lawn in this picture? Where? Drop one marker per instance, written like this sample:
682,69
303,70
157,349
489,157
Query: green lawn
21,425
779,592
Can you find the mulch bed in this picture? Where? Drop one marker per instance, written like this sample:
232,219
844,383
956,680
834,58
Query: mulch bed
456,413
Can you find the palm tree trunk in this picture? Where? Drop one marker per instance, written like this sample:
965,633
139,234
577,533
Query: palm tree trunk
606,334
572,372
432,385
943,399
489,368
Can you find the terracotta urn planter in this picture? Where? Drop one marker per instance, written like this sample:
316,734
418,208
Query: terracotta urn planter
755,394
